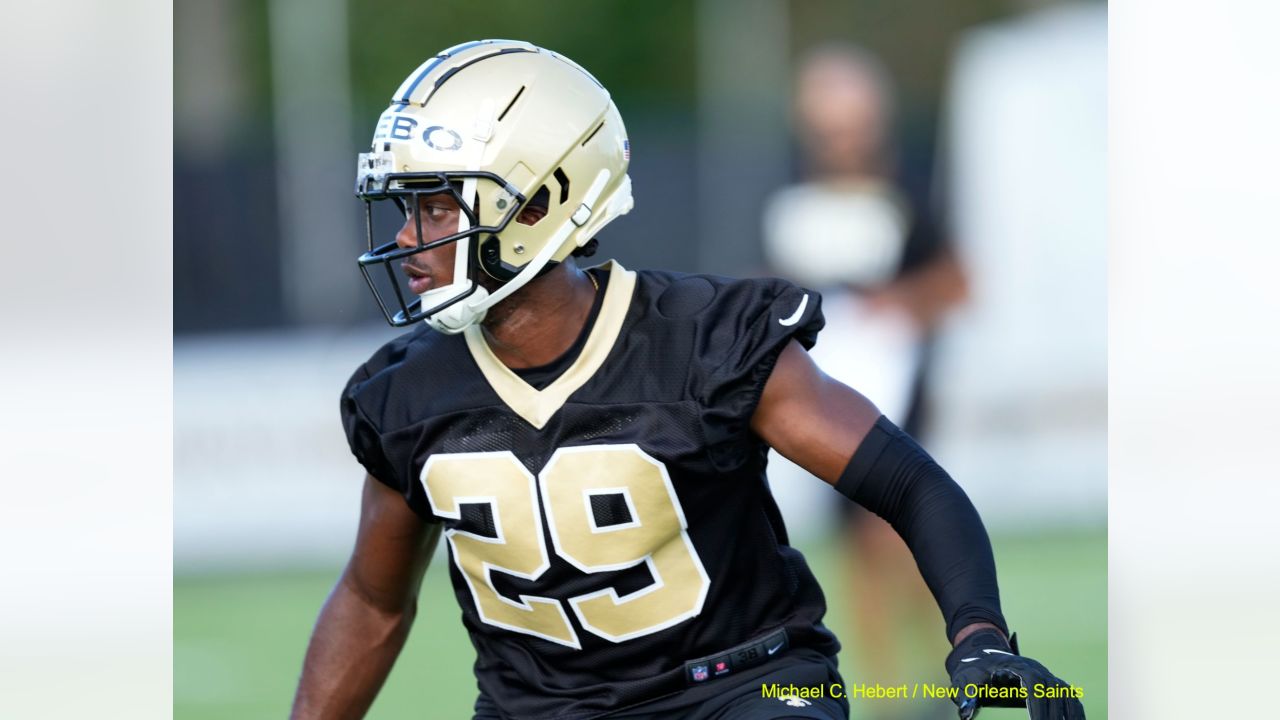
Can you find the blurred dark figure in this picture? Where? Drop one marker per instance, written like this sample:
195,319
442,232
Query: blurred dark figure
887,278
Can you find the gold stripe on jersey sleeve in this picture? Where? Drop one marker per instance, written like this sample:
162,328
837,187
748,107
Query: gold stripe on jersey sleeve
537,406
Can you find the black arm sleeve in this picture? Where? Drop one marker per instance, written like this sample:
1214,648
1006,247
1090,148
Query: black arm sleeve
896,479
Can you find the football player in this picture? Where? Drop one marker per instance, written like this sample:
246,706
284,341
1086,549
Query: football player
590,442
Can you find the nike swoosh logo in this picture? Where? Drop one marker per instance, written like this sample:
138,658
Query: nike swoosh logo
988,651
774,649
795,317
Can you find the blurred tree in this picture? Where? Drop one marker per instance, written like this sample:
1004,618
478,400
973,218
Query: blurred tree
643,52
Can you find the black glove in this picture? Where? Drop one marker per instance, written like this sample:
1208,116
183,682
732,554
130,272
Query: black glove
987,671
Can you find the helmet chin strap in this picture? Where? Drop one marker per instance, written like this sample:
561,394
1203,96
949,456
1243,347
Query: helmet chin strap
463,314
460,315
482,303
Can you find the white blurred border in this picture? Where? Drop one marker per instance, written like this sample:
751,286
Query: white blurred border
1194,357
85,447
86,450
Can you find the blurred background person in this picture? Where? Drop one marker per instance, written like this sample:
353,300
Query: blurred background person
1023,411
887,277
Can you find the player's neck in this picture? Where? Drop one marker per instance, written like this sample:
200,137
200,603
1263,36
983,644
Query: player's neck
541,321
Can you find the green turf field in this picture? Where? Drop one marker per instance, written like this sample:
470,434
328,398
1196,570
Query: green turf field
238,640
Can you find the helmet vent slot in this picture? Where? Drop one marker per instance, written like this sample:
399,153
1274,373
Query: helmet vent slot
564,184
514,98
593,134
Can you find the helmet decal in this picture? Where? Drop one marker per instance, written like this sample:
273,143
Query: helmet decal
441,138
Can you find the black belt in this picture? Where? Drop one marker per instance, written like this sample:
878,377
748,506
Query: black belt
735,659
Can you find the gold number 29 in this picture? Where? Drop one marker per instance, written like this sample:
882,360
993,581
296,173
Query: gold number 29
656,535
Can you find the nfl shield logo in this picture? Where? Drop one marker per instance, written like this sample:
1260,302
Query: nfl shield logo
626,149
699,673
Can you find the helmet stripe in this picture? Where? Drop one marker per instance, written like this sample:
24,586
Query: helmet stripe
454,70
404,93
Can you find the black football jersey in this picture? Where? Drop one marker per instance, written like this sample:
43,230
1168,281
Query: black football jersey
615,525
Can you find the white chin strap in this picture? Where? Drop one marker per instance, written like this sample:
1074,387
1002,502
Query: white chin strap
464,313
460,315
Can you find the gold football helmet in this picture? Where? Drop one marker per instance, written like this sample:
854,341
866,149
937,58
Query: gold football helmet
498,125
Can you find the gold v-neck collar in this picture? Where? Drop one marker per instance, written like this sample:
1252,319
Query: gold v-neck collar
537,406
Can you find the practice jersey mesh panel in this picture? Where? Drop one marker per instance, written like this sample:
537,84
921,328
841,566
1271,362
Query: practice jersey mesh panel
680,383
610,509
477,519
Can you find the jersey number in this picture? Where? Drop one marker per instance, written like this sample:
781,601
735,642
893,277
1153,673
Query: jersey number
656,534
